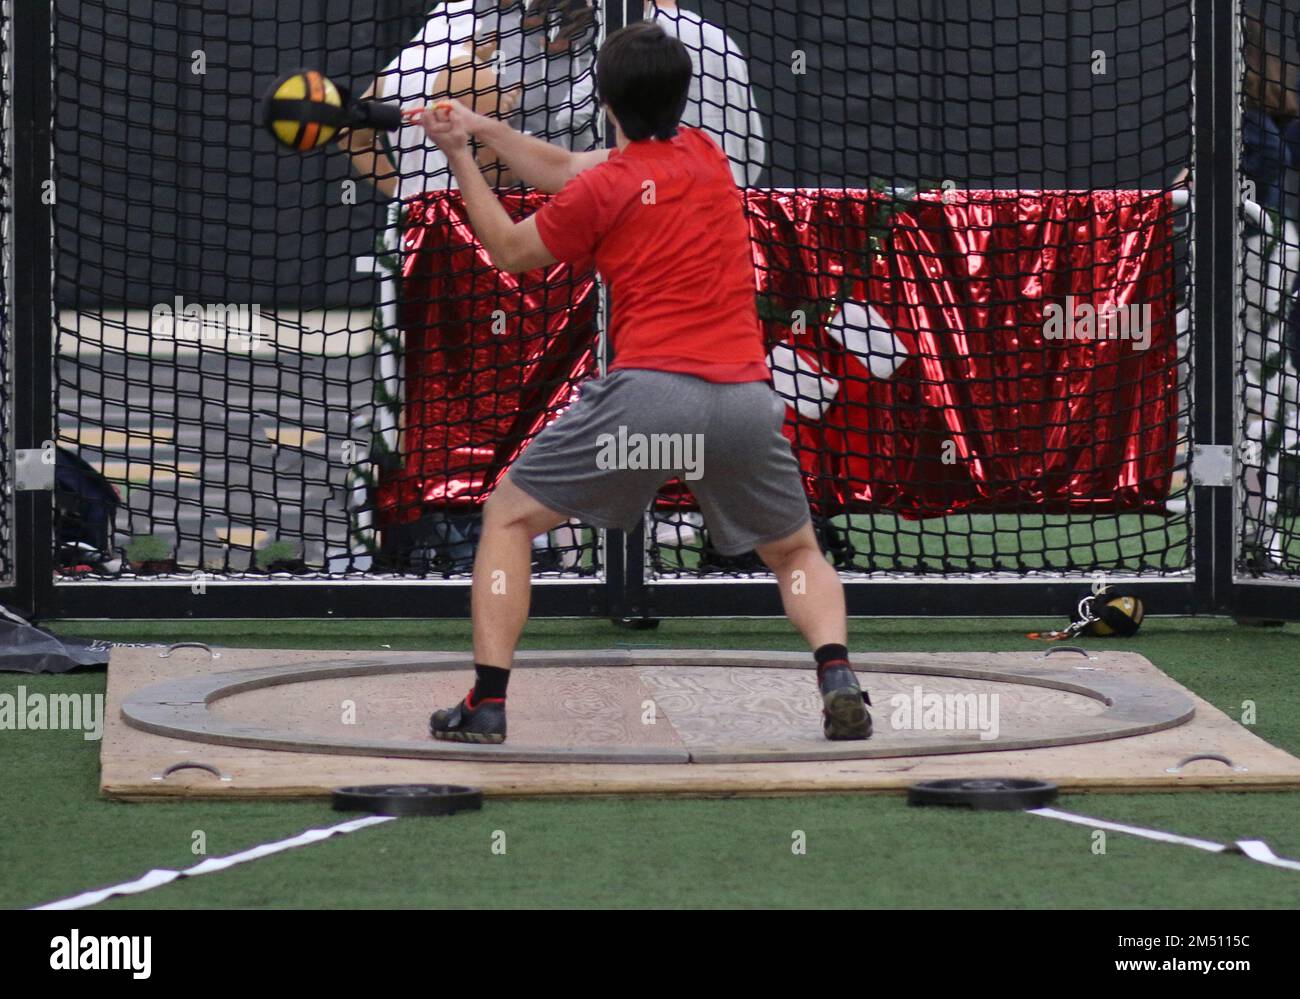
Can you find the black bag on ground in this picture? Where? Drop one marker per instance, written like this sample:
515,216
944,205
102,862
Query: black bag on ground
85,505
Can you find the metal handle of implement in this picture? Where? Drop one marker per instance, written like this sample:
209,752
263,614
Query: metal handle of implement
1084,616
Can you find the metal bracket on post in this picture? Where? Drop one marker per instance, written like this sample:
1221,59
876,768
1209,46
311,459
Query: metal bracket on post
32,472
1212,465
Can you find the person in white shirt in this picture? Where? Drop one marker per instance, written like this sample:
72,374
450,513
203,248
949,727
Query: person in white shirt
500,55
555,62
413,76
720,100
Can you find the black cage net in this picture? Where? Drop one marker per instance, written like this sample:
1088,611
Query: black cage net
973,237
970,240
6,299
286,361
1269,342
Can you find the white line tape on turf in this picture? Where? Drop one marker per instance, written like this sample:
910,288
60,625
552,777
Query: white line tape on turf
157,878
1254,849
1258,850
1156,834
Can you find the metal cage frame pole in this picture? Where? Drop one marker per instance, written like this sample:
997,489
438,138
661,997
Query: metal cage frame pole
1214,319
31,317
628,590
625,551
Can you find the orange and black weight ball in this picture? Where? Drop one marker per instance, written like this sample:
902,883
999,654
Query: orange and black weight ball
1117,614
304,110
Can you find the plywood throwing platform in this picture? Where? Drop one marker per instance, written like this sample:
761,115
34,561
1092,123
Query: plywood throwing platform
286,723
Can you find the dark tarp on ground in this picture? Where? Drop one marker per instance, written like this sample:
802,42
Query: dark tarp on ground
25,648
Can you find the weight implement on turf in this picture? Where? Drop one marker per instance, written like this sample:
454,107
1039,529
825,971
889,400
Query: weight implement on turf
407,799
1107,612
1115,613
1001,794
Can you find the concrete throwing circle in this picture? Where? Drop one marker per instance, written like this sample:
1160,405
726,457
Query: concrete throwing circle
635,706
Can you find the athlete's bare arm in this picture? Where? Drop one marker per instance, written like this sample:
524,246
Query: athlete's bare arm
513,247
373,163
537,163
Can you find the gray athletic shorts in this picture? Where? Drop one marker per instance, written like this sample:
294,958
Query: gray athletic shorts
603,459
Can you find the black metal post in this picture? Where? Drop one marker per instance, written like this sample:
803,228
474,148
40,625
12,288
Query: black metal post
33,305
1215,198
625,552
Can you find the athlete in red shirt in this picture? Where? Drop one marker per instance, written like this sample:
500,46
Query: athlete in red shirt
665,225
688,393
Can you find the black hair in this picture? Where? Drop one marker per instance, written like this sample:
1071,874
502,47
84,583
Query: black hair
643,75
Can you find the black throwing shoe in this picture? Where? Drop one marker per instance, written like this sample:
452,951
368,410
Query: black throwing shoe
844,704
482,722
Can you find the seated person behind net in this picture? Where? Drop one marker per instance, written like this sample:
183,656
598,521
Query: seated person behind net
486,53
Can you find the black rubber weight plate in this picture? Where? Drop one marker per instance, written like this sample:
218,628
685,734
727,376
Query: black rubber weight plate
408,799
994,793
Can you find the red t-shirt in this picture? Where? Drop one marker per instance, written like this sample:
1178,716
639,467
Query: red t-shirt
665,226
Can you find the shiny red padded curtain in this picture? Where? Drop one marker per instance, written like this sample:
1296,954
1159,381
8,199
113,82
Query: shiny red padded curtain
950,397
984,412
490,358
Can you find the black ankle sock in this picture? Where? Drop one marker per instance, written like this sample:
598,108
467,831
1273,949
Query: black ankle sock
830,653
489,681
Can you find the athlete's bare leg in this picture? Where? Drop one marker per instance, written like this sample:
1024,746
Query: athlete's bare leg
813,597
503,571
811,591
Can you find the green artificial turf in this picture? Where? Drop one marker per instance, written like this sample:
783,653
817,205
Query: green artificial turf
861,850
1003,542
